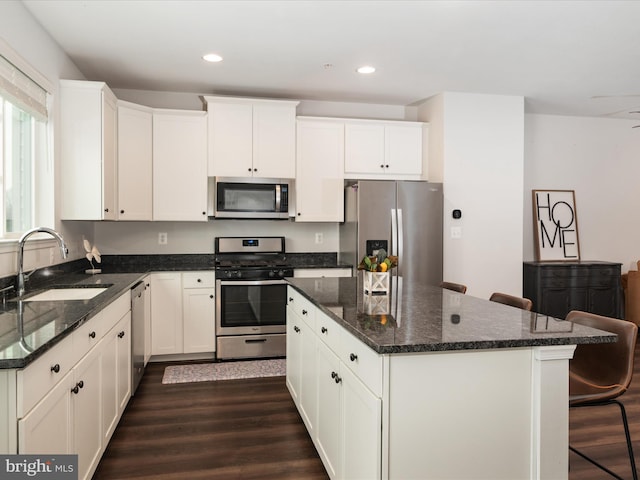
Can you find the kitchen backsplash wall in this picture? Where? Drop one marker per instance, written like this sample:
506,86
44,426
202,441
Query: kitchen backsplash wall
191,237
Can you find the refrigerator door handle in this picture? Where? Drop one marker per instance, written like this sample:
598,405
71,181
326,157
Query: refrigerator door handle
400,239
394,232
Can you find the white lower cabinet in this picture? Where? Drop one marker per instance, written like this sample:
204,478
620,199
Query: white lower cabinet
183,312
86,405
166,313
116,374
332,392
79,411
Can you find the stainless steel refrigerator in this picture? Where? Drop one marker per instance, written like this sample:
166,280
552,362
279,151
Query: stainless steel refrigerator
403,217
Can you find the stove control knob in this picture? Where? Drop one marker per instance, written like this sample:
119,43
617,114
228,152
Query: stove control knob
281,273
238,274
272,273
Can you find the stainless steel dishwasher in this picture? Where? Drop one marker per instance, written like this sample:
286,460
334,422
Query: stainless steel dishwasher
137,334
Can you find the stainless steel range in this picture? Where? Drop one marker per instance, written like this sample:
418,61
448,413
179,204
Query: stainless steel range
251,297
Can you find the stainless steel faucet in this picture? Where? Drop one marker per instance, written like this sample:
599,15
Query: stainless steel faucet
21,277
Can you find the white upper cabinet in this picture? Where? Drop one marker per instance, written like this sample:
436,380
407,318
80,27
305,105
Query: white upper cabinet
179,165
88,151
251,137
319,171
383,149
135,161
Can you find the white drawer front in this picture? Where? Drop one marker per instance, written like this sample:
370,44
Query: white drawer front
302,307
43,374
88,336
362,361
116,310
198,279
329,331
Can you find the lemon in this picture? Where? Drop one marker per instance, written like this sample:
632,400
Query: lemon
383,267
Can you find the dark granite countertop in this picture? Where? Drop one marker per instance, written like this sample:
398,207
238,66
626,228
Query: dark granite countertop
424,318
45,323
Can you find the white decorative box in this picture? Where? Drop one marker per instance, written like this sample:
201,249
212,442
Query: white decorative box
375,283
375,304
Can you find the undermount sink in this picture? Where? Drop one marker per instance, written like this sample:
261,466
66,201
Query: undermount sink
64,294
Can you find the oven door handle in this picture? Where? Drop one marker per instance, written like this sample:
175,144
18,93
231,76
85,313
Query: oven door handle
250,282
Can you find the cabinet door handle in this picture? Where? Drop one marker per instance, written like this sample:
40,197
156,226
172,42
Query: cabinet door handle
121,334
323,329
353,357
249,169
304,312
121,211
199,280
291,299
75,389
106,210
296,329
381,166
210,296
92,335
81,383
55,368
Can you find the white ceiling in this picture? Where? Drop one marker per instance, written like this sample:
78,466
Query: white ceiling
564,57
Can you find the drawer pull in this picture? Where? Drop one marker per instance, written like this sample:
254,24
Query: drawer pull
56,368
92,335
323,329
121,334
199,281
291,299
353,357
255,340
336,377
296,329
304,312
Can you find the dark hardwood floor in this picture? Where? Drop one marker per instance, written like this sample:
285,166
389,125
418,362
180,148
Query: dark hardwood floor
234,429
250,429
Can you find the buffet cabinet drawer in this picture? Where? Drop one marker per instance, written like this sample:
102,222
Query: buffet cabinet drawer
556,289
302,307
365,363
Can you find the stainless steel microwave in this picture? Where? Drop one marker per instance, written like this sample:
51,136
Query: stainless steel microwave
259,198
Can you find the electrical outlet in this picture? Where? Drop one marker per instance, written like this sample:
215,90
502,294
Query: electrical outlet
162,238
319,238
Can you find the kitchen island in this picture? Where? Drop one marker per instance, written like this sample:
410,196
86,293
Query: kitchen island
441,385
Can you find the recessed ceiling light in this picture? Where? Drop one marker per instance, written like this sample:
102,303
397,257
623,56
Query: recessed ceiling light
212,57
366,69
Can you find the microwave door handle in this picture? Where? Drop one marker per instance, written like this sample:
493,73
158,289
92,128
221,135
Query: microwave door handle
278,198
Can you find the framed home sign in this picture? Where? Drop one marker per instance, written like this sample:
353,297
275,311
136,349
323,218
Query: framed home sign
555,225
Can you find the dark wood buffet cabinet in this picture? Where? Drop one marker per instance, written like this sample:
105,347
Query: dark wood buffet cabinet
557,288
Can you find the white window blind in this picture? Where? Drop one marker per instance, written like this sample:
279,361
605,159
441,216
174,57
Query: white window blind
18,88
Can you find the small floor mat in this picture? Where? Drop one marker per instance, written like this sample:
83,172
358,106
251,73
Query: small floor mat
209,372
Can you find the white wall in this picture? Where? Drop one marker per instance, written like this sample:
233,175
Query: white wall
194,237
23,40
599,159
479,154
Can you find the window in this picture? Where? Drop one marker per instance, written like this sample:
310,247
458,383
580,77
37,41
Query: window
23,148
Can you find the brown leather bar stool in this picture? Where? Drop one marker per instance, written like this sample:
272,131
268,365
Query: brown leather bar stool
456,287
600,373
518,302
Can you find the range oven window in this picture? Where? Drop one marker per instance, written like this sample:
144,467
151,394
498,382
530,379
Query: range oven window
244,305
